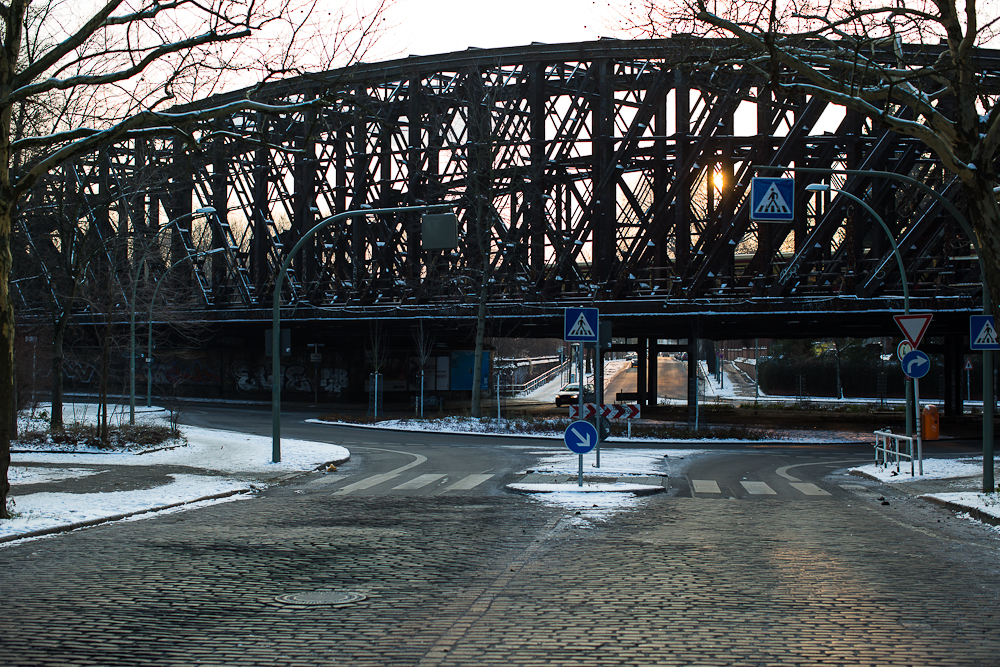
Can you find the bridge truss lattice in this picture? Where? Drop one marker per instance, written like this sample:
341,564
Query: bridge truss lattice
610,173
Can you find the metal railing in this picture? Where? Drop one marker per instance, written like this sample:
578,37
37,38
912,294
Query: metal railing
535,383
887,450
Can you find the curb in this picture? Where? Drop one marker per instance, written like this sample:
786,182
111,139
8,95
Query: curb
977,514
119,517
652,490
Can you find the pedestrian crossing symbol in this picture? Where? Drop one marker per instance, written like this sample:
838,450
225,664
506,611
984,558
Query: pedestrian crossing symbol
772,199
580,325
983,333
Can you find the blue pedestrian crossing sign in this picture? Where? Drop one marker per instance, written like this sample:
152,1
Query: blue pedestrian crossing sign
983,333
772,199
580,325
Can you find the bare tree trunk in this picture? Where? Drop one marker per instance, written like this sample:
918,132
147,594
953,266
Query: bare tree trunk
985,218
7,402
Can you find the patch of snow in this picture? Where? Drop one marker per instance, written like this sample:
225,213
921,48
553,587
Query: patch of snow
42,511
933,469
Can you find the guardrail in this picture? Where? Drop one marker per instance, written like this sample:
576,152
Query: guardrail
887,446
534,383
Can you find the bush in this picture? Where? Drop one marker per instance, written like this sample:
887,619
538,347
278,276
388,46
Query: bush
124,437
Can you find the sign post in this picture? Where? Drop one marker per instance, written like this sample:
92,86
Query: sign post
580,437
968,380
983,336
581,325
915,365
913,327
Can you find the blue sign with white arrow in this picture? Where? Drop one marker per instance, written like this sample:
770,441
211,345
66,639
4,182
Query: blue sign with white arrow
772,199
580,437
916,364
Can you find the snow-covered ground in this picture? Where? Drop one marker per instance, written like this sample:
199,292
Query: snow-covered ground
596,500
986,503
232,462
235,462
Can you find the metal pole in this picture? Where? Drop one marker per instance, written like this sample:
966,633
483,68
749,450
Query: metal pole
989,484
756,369
279,279
579,397
987,298
916,404
599,394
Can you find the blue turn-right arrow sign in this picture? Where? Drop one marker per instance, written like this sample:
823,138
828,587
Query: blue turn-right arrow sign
916,364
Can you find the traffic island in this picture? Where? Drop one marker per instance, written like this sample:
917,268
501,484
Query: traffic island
558,483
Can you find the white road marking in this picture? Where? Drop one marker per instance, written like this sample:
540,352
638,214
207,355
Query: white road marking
853,487
366,483
809,489
705,486
418,482
382,478
467,483
758,488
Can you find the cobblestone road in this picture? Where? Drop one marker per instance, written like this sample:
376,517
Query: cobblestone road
505,580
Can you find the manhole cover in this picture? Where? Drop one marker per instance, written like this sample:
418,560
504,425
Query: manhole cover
322,597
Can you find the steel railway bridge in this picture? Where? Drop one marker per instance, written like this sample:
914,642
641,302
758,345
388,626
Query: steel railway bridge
612,173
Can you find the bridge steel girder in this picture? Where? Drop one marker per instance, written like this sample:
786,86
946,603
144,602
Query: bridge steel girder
609,173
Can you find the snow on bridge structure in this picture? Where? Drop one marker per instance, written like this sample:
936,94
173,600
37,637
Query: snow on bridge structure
613,173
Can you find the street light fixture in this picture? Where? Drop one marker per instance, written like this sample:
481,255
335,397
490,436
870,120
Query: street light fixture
207,210
276,324
988,395
825,187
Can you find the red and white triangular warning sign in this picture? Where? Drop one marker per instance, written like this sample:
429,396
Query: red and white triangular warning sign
914,326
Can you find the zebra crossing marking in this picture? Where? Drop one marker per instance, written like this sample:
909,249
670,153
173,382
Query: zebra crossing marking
758,488
705,486
469,482
809,489
418,482
366,483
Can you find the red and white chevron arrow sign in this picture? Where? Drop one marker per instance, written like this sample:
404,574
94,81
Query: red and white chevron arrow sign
607,411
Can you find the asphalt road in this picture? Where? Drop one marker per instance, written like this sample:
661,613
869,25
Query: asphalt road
671,380
825,568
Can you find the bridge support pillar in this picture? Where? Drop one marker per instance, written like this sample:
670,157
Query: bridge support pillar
953,368
692,368
641,381
651,382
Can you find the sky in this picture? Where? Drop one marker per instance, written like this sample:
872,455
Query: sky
429,27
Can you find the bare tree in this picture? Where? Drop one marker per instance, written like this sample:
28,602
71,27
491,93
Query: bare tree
913,68
424,341
127,60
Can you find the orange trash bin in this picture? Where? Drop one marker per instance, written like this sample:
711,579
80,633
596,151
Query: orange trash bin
932,425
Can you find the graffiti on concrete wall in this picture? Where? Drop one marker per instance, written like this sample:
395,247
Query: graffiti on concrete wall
257,377
176,372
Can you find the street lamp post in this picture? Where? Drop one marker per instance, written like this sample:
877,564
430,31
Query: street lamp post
988,395
149,320
276,324
824,187
914,414
208,210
